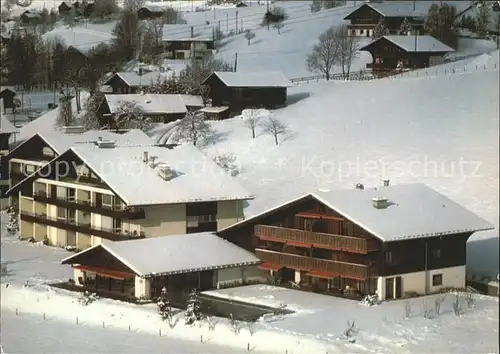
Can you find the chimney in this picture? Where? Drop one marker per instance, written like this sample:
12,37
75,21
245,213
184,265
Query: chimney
99,138
192,31
386,182
76,129
360,186
106,144
380,203
146,157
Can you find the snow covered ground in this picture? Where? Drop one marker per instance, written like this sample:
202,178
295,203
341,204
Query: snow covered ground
56,322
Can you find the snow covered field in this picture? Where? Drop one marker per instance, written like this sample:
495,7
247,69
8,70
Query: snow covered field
57,323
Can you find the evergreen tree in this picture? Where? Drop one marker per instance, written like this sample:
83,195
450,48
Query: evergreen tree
163,305
193,312
405,29
440,23
380,30
316,6
483,19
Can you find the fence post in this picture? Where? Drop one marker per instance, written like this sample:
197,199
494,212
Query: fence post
129,328
77,320
248,347
17,311
159,332
103,326
201,338
44,315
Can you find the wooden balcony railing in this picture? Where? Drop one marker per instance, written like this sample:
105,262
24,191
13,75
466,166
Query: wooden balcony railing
83,227
343,269
75,204
316,239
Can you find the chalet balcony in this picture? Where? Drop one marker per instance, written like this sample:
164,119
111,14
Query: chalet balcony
316,239
292,261
72,225
87,206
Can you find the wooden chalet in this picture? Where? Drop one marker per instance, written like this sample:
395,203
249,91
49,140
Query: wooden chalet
160,108
64,8
365,18
394,241
392,53
30,18
180,263
150,12
7,94
182,42
241,90
133,82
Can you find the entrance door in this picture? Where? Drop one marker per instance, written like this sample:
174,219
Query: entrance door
389,288
399,288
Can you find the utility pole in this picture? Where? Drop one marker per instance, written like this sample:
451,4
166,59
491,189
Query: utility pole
235,61
236,21
241,25
413,5
214,11
227,22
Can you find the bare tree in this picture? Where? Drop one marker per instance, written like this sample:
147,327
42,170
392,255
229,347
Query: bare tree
154,30
249,35
65,114
348,49
278,26
483,19
104,8
194,128
89,118
252,118
275,127
323,56
128,34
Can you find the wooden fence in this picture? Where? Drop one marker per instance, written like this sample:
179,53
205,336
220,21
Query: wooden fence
360,75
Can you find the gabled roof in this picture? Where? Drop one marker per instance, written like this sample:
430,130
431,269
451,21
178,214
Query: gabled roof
148,103
6,126
174,254
414,211
252,79
424,43
196,178
152,8
60,142
133,79
7,88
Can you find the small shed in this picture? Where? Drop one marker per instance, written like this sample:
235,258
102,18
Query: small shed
64,8
149,12
215,113
141,268
7,95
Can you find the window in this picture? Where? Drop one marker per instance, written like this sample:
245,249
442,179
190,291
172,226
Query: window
388,258
437,279
29,169
71,194
118,224
61,192
436,254
71,215
61,213
48,152
107,201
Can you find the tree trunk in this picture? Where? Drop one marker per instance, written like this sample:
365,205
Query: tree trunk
253,133
276,138
327,74
77,99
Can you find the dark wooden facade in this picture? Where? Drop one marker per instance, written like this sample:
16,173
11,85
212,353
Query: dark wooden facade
118,85
64,8
386,56
145,13
7,95
330,251
29,18
240,98
364,19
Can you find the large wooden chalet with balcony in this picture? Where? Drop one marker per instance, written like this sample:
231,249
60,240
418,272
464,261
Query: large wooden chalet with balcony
395,241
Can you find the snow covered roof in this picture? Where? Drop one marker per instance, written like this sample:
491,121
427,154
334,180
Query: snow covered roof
252,79
79,38
174,254
414,211
407,8
148,103
5,125
196,178
153,8
192,100
423,43
182,32
214,109
133,79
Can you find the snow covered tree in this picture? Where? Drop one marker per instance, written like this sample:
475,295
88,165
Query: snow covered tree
193,311
483,19
89,117
316,6
228,162
405,29
440,23
278,26
13,224
380,29
166,86
129,116
65,114
163,305
193,128
249,35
